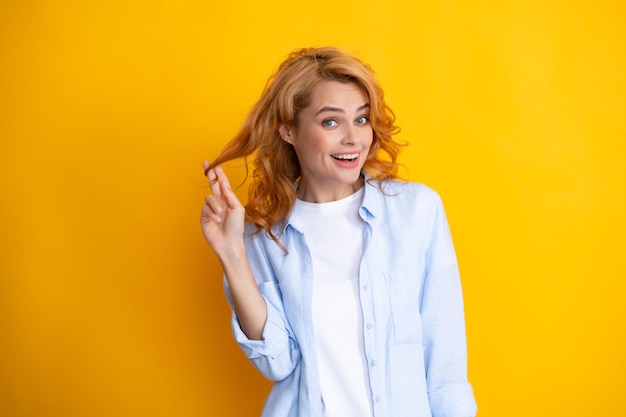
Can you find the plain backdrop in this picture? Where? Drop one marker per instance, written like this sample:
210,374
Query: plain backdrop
111,304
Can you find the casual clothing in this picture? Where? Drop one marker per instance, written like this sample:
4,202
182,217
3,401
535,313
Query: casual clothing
411,304
334,234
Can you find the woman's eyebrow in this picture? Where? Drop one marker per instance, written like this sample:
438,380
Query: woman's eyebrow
339,110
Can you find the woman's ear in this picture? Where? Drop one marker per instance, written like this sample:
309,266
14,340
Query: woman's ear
286,133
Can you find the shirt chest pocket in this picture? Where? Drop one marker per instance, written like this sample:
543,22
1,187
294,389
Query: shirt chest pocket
404,288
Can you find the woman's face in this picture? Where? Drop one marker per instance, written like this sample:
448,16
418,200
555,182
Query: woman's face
332,139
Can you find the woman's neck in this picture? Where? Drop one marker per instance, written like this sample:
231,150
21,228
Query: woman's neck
312,194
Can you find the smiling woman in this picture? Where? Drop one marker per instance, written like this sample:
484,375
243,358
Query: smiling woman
286,95
331,139
344,282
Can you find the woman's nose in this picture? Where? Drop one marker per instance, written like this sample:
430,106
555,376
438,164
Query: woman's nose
351,135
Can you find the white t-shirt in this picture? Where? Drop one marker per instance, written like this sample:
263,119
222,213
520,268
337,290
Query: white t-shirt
334,234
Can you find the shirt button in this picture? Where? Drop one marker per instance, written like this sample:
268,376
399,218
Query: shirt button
366,287
377,399
369,325
373,363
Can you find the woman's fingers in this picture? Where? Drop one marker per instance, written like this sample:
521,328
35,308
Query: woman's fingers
223,198
222,179
226,191
231,198
213,208
214,183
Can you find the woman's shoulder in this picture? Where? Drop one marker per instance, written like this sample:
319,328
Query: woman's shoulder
405,190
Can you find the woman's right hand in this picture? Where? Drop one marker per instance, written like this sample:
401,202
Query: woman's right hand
223,215
222,221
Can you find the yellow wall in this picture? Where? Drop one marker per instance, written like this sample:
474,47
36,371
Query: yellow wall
112,305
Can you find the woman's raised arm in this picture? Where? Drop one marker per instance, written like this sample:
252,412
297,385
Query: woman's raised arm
222,221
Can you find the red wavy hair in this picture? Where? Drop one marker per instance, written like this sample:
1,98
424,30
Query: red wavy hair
287,92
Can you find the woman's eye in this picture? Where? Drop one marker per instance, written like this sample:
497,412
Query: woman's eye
329,123
362,120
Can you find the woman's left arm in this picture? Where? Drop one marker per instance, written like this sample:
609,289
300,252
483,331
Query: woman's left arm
443,319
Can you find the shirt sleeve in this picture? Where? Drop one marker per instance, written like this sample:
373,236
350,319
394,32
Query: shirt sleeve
278,353
445,347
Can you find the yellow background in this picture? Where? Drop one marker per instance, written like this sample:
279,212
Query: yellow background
111,304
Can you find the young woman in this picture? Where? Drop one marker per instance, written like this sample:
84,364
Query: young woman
343,280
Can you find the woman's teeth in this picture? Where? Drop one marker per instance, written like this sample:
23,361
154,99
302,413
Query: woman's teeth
346,157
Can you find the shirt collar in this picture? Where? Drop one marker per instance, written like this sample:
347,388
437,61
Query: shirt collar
370,206
372,203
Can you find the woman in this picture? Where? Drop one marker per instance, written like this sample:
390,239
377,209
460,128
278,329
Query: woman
343,281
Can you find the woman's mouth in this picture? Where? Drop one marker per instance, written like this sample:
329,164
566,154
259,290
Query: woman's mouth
346,157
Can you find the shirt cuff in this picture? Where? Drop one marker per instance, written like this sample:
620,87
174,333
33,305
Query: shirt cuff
453,401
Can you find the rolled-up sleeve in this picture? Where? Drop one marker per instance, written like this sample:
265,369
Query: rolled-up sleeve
277,354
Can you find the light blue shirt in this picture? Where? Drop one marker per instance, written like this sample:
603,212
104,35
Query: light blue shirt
412,305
